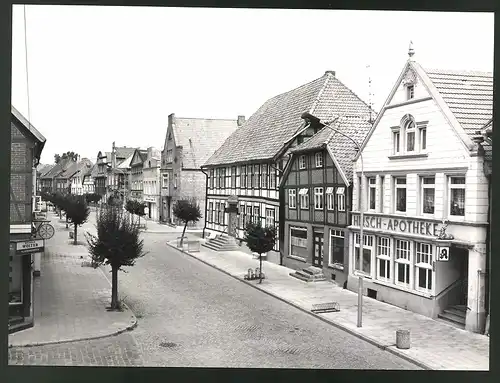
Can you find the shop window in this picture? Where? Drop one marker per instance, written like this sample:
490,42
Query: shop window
428,195
456,186
318,198
423,266
302,162
292,198
330,198
298,242
15,278
318,160
340,198
336,247
383,259
400,200
403,263
363,264
372,188
304,198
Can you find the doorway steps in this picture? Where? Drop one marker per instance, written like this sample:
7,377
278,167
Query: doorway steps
222,243
454,315
309,274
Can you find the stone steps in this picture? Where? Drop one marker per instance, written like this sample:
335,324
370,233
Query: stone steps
309,274
454,315
221,243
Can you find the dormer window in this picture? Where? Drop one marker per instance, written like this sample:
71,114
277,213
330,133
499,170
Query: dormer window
410,91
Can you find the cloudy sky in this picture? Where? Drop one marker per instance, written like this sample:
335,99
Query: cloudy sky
104,74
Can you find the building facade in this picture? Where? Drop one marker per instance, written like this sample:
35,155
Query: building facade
426,197
26,147
189,142
81,169
152,183
137,175
253,158
316,192
88,180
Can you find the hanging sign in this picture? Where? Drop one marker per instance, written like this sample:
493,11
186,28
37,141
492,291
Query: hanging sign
443,254
30,247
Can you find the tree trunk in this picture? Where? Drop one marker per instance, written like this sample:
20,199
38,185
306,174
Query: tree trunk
114,288
74,239
260,268
60,213
67,220
183,232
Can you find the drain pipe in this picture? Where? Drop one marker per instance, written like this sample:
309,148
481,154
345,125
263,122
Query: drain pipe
206,202
282,212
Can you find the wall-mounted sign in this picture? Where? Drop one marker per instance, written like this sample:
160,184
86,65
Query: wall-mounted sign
150,199
443,254
397,225
30,247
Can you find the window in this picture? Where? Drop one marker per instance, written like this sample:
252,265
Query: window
256,214
423,138
341,198
423,267
336,247
237,175
210,212
298,242
396,141
318,198
292,198
243,176
403,262
400,184
382,181
457,196
383,259
410,92
330,198
264,176
217,211
222,215
304,198
222,178
233,177
250,181
270,216
242,216
15,278
256,170
372,188
410,136
318,160
427,195
272,178
364,264
302,162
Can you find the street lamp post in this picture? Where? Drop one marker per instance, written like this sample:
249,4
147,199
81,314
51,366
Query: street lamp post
361,211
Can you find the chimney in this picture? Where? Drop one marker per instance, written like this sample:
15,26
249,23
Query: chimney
241,120
332,72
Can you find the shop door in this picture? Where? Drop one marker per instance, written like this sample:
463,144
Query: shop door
318,250
463,255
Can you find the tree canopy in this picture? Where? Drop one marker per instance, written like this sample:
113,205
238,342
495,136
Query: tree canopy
186,211
260,240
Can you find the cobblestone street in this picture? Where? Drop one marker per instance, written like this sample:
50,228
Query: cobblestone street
115,351
190,315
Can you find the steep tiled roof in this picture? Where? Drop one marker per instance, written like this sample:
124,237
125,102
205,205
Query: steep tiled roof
94,171
54,171
344,150
123,152
44,168
275,122
143,153
200,138
125,164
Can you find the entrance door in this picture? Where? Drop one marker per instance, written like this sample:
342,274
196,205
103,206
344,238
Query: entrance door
318,250
463,255
149,210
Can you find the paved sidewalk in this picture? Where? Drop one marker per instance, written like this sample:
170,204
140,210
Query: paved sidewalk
158,228
434,345
70,300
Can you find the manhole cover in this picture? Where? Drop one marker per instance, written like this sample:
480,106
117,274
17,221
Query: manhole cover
168,344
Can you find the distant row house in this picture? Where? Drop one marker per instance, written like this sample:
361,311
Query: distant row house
64,177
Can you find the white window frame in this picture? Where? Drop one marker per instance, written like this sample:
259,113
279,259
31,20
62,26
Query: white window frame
410,127
249,214
270,217
330,199
318,159
334,233
422,263
340,192
396,141
302,162
292,198
367,245
396,187
451,187
175,181
303,244
372,187
304,199
426,186
406,260
318,198
256,217
410,91
422,132
383,253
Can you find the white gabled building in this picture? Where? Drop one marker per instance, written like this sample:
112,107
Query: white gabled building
426,197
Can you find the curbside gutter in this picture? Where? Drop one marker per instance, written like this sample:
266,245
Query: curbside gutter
368,339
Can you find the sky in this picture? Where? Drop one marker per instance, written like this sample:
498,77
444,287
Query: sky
102,74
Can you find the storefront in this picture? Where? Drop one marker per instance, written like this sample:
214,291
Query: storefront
421,265
152,207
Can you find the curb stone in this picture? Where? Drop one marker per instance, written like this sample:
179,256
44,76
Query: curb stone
368,339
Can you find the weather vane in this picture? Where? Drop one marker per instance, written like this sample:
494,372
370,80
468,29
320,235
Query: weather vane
411,51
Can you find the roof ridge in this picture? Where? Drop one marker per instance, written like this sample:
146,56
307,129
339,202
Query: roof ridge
206,119
355,95
457,71
320,93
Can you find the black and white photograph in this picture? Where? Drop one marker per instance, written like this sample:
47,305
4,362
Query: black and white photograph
250,188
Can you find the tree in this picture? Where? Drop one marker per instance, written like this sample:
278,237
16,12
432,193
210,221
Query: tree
260,240
186,211
117,244
72,155
78,213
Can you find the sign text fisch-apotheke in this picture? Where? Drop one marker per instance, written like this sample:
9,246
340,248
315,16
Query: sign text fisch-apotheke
398,225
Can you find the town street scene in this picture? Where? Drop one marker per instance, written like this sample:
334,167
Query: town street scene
250,193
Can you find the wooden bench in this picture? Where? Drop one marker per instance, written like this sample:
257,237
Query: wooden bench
329,307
